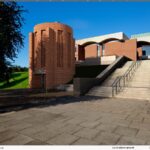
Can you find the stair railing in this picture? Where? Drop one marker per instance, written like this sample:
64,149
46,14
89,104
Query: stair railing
121,81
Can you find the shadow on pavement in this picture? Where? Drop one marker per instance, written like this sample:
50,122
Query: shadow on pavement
53,101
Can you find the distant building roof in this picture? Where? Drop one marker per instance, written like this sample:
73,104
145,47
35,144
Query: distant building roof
140,35
98,39
143,37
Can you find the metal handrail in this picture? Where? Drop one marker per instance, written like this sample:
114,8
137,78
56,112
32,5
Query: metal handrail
121,81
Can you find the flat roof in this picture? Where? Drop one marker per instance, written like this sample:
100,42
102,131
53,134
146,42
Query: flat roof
98,39
140,35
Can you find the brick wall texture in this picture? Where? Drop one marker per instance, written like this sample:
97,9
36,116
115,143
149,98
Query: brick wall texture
126,48
51,55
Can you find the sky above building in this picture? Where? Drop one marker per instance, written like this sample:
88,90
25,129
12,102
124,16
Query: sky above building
86,18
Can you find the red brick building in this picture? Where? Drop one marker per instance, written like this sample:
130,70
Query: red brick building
52,54
117,44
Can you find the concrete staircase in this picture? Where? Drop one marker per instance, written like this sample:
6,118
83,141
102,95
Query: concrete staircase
105,89
139,86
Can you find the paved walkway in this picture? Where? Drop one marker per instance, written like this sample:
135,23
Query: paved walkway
100,121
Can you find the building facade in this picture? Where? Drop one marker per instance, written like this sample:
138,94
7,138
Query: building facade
52,54
53,51
116,44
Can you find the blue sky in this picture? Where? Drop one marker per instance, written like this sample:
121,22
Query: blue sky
86,18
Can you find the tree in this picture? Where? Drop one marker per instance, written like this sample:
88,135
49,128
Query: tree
11,38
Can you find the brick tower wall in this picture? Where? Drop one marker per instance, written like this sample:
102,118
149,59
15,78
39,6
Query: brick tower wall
52,51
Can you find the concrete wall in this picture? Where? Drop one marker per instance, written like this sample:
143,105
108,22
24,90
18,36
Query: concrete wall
52,55
107,60
83,85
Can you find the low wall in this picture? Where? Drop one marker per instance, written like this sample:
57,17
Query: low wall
107,60
83,85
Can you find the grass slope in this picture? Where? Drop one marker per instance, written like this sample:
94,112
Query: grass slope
18,80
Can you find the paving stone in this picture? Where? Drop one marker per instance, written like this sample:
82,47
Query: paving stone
56,125
38,120
85,120
3,128
32,130
106,138
63,139
5,118
9,123
139,125
70,128
19,116
20,126
87,133
121,122
135,124
75,121
90,124
143,134
116,121
36,142
18,140
126,131
146,120
106,127
5,135
135,118
83,141
148,142
46,134
130,141
90,118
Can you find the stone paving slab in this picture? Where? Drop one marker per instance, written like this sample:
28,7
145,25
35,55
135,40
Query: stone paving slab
83,141
87,133
6,135
143,134
126,131
92,122
106,138
20,126
140,125
63,139
18,140
130,141
106,127
70,128
45,134
32,130
36,142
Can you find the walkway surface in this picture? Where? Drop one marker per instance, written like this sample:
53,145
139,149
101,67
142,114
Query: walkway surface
87,122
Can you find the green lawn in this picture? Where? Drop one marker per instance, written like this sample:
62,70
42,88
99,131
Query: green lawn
18,80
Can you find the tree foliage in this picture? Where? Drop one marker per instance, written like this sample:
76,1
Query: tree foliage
11,38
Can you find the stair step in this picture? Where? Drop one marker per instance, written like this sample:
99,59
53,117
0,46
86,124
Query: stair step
139,86
135,93
100,91
105,90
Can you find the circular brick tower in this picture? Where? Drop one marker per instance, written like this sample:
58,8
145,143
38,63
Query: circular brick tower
52,60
